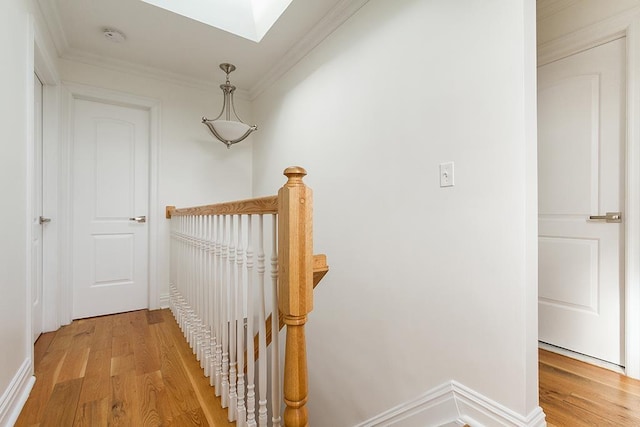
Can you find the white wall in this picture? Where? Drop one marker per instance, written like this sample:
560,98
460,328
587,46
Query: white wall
427,284
15,45
194,168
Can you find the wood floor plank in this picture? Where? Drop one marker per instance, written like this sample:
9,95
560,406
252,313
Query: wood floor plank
93,414
41,346
75,364
122,364
154,316
96,384
61,407
192,418
103,335
146,354
124,401
62,341
150,388
180,396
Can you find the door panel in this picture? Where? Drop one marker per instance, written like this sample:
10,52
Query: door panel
581,113
111,184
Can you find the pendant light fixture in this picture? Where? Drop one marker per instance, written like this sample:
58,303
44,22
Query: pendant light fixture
227,127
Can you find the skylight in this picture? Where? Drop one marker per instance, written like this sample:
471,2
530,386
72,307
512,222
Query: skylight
250,19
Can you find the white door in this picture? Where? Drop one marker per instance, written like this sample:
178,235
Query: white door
110,190
36,214
581,145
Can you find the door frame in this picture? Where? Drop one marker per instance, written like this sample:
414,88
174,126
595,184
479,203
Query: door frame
624,25
73,91
41,63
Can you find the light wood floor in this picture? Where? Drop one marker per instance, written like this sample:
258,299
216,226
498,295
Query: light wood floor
135,369
130,369
574,394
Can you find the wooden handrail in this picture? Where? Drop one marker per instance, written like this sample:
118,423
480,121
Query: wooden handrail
261,205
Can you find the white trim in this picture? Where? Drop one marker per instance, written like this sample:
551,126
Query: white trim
46,70
453,404
143,70
156,213
627,25
477,410
547,8
599,33
30,182
327,25
632,201
16,394
51,16
164,300
77,91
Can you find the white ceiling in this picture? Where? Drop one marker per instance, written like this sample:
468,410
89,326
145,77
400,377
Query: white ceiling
171,46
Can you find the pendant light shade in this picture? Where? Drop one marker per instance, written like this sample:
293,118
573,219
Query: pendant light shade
227,127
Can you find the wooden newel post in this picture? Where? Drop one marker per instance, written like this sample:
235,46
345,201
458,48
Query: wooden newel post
295,272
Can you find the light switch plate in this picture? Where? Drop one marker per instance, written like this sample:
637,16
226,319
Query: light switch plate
446,174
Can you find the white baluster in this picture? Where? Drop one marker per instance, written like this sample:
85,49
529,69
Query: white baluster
262,333
211,341
233,318
203,291
218,305
192,283
199,290
224,396
188,282
242,410
179,266
251,394
179,272
275,329
206,341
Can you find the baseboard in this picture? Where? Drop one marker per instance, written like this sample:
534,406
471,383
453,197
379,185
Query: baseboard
454,405
478,410
16,394
164,300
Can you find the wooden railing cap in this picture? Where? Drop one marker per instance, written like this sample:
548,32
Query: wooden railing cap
295,175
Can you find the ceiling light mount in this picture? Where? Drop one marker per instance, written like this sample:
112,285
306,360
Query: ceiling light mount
114,35
224,128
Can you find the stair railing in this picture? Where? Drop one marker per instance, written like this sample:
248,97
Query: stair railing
219,290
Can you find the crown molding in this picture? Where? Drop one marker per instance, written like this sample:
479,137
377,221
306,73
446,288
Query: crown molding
547,8
327,25
599,33
51,16
135,69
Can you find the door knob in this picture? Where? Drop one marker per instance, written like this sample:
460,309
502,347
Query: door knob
609,217
43,220
142,218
